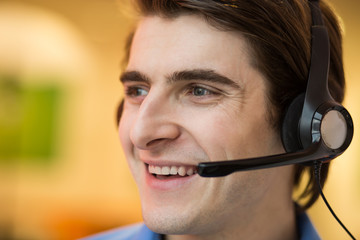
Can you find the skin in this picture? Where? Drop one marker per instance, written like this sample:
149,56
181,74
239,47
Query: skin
172,120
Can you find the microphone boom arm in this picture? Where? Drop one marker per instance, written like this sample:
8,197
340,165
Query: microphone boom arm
223,168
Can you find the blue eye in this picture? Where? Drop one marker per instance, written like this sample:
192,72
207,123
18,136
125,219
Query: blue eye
141,92
200,91
136,92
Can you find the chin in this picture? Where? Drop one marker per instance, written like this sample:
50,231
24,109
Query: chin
167,225
179,220
162,221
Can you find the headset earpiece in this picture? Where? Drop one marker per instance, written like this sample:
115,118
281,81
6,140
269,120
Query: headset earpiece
290,135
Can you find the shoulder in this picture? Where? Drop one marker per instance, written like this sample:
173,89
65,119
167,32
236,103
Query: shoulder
305,227
132,232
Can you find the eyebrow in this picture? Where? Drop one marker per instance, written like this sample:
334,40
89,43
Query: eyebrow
202,75
134,76
207,75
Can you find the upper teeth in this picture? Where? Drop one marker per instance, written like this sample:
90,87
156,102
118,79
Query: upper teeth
171,170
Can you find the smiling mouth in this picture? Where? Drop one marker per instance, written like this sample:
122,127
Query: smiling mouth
167,172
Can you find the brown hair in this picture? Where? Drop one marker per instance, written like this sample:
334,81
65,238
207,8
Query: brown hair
279,36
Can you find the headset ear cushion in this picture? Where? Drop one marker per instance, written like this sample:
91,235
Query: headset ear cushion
290,135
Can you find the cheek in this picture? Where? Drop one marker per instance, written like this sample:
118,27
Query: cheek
124,132
125,125
212,131
231,135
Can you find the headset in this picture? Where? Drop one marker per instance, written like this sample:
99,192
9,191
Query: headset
315,126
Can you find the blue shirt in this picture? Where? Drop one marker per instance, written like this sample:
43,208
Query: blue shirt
140,232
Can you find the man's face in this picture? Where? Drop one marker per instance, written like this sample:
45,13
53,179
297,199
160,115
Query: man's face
192,96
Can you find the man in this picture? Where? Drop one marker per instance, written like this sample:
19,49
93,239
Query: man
211,80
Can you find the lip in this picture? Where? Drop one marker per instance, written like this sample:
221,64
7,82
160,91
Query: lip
170,184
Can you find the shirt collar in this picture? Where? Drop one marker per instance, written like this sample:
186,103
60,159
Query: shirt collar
306,229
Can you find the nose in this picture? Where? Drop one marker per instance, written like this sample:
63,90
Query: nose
155,123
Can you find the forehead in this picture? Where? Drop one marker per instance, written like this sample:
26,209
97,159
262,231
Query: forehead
188,41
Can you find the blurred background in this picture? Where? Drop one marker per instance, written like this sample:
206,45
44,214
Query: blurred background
62,172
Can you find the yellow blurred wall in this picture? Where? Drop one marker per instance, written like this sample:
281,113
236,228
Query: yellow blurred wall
88,187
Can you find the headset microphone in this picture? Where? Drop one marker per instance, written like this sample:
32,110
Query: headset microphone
315,127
